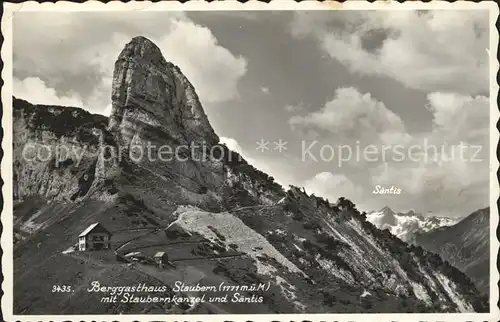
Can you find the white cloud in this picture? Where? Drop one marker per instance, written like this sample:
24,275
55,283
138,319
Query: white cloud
445,53
283,172
445,56
454,188
213,70
332,186
451,177
460,117
264,90
107,110
290,108
351,116
35,90
79,50
233,145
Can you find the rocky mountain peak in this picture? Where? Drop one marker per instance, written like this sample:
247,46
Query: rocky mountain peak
410,213
389,216
141,48
480,216
151,98
386,210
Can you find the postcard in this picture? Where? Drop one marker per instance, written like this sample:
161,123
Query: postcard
227,161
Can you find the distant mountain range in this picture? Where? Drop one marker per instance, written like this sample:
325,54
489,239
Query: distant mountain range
465,245
463,242
407,225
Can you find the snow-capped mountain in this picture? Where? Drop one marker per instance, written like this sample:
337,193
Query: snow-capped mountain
406,225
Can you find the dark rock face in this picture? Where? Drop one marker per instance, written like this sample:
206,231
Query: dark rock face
57,151
320,257
389,216
151,94
465,245
158,120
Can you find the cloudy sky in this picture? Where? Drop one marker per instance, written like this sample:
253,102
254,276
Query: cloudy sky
409,86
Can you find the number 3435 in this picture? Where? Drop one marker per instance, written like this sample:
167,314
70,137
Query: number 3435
61,288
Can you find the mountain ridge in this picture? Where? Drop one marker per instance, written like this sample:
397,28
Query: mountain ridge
407,225
465,245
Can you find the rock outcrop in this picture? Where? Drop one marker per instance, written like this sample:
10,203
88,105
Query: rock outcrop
151,97
58,151
159,122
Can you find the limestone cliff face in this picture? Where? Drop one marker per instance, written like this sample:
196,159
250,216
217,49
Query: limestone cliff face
157,128
65,155
158,120
151,94
58,151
